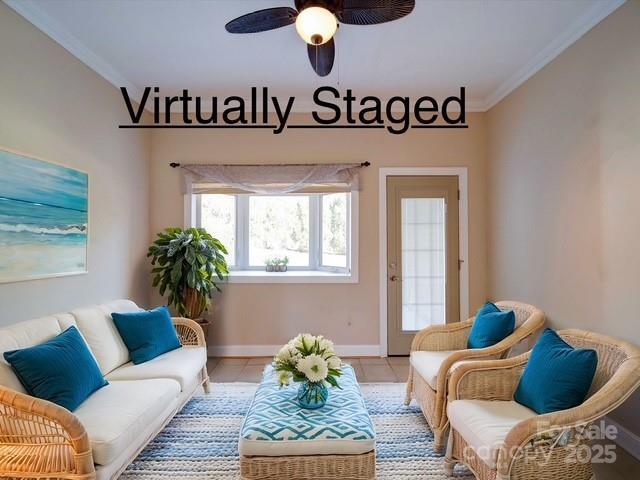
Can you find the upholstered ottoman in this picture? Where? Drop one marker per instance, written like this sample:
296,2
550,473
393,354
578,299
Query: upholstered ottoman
279,440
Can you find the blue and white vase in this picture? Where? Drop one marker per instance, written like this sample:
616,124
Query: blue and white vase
312,395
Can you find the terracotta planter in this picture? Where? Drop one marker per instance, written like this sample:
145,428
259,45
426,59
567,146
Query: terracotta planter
195,303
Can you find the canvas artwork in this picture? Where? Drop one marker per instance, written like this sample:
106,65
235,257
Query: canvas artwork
43,218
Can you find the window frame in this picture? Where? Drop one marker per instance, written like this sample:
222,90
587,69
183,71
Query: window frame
315,272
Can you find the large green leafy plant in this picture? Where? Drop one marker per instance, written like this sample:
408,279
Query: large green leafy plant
189,264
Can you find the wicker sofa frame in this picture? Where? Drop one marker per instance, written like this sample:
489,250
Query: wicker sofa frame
542,447
453,336
39,439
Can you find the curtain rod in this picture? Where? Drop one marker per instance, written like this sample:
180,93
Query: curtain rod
175,165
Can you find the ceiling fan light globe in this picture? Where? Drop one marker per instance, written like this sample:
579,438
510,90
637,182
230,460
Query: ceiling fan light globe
316,25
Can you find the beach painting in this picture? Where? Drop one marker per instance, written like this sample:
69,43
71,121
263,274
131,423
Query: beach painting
43,219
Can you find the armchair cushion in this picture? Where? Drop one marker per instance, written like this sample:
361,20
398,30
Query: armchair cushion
147,334
491,326
484,424
61,370
427,364
557,376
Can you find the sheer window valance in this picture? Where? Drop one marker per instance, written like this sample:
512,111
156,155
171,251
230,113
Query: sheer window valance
271,179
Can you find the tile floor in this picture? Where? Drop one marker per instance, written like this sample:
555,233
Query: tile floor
391,369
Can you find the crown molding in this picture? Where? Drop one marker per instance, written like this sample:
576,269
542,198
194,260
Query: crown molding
50,27
577,29
44,22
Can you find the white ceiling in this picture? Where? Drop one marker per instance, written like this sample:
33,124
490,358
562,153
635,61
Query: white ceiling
489,46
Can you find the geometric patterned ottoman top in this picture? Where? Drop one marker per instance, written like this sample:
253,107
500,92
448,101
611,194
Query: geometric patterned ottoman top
276,426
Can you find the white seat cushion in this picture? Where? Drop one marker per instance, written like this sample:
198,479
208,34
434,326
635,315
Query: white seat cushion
484,424
117,414
182,365
99,331
427,365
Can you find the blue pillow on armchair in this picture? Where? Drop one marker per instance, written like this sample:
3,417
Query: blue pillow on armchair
61,370
147,334
490,326
557,376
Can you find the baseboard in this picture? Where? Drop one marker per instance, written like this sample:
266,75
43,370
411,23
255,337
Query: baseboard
626,438
271,350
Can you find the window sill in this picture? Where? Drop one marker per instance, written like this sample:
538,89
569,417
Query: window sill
290,276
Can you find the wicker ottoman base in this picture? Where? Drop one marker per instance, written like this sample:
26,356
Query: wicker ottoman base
309,467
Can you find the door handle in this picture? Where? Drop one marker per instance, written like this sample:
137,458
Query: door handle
394,278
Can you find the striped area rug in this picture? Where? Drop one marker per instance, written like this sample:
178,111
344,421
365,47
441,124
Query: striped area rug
201,442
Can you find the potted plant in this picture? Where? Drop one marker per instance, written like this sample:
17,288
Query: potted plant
282,264
189,264
276,264
271,264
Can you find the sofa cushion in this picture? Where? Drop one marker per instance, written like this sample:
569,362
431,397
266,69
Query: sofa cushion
22,335
484,424
181,365
427,364
99,331
60,370
66,320
116,415
147,334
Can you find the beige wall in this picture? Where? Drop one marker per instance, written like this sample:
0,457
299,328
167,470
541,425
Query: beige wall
268,314
564,156
54,107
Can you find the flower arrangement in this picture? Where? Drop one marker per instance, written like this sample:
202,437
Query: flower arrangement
308,358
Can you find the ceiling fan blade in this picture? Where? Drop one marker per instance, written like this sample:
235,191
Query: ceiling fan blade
262,20
321,57
371,12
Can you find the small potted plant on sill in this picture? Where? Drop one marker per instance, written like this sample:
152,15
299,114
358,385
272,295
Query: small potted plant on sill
271,264
276,264
282,264
189,264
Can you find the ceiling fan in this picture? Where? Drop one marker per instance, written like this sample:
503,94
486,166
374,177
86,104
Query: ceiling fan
317,21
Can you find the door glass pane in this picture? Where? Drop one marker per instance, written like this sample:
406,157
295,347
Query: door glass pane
423,262
218,217
279,227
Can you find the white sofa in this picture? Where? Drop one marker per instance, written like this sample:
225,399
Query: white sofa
107,431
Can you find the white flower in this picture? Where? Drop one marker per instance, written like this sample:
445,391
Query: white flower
326,345
284,378
295,354
304,341
314,367
334,362
284,355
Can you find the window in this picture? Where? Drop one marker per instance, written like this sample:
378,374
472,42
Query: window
313,231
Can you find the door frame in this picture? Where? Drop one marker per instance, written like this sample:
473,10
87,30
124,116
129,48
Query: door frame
463,232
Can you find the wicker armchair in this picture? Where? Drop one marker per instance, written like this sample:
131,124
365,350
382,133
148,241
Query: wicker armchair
39,439
452,338
543,446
